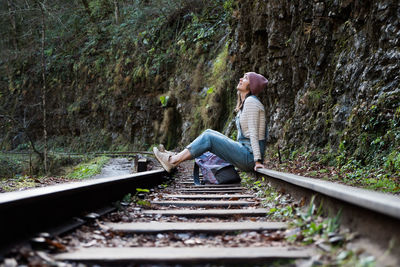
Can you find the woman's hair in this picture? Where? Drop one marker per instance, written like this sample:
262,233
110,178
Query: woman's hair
240,101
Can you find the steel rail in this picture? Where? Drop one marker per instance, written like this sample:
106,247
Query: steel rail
26,213
374,215
375,201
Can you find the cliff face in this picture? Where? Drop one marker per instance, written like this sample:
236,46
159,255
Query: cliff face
333,67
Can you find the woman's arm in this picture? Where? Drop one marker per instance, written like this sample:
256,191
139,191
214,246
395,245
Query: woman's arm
252,110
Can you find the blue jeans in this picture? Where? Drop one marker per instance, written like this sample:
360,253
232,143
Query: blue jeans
233,152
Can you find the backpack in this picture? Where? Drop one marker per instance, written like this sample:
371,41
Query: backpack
215,170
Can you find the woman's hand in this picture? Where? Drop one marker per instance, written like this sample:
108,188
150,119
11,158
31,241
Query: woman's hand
258,165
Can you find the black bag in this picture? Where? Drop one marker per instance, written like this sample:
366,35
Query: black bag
215,170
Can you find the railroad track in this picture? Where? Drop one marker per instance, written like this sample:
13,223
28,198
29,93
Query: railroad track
181,225
186,224
56,209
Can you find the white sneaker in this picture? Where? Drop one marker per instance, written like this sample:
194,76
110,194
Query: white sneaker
162,149
163,158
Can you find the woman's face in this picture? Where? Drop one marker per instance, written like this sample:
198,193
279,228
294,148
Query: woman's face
243,85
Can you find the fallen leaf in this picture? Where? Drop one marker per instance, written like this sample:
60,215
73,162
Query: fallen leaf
302,202
274,237
56,244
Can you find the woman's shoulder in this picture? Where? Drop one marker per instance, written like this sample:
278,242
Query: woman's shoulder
253,101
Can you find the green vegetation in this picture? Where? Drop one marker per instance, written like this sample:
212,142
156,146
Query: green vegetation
381,174
11,165
25,164
23,171
312,228
381,179
104,58
375,139
88,169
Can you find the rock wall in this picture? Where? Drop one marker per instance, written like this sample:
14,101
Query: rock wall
333,67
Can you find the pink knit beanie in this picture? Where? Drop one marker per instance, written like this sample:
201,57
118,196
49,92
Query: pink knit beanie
257,82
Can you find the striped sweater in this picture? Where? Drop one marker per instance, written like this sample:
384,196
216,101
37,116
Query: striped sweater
252,124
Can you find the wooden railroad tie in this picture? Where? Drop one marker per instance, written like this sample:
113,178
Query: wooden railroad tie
185,254
205,203
158,227
208,212
211,196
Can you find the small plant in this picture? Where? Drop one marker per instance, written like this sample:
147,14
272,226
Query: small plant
138,198
249,182
143,203
164,100
140,190
127,198
163,185
341,157
312,226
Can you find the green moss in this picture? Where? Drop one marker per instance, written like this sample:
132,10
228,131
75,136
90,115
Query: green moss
214,98
17,184
220,67
88,169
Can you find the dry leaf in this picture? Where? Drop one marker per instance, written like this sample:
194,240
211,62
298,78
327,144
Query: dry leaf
302,202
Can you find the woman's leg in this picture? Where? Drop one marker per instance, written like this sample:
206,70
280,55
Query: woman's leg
222,146
215,142
182,156
200,145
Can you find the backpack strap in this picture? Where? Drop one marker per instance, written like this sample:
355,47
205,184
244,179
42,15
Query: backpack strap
196,178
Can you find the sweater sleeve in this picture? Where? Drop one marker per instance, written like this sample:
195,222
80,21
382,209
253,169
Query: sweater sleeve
253,121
